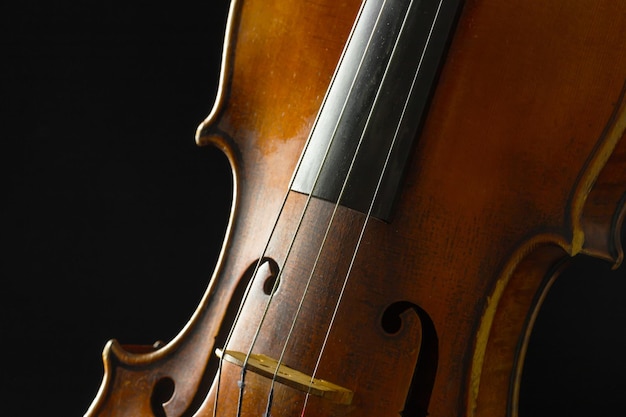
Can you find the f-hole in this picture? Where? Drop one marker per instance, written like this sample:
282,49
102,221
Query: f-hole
420,390
163,391
268,270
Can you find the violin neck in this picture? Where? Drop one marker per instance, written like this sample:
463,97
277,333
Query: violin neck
376,102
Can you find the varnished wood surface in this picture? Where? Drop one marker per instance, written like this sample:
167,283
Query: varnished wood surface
477,226
119,262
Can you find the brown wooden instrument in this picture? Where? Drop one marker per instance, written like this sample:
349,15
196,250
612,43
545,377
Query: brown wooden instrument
328,303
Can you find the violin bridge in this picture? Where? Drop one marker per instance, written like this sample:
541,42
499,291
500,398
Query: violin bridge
265,366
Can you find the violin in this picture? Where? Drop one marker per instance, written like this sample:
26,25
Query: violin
409,178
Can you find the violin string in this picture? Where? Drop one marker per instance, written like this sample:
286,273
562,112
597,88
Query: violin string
369,212
301,219
273,230
264,251
341,192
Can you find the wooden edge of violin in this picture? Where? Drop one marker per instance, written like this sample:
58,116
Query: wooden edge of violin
598,212
515,288
205,134
116,354
599,202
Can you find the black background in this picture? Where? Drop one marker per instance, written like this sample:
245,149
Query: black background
114,215
113,218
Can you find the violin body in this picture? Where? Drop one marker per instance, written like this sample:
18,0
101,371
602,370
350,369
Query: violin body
519,165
